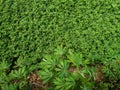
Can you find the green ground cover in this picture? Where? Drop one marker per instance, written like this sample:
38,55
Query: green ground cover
32,29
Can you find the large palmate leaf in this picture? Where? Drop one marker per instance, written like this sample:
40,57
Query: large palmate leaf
49,62
75,58
62,69
64,83
59,51
9,87
4,65
20,73
45,75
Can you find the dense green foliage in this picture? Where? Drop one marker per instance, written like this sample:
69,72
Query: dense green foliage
68,71
32,29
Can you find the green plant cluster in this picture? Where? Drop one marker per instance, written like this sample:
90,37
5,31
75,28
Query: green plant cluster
66,70
32,29
62,70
